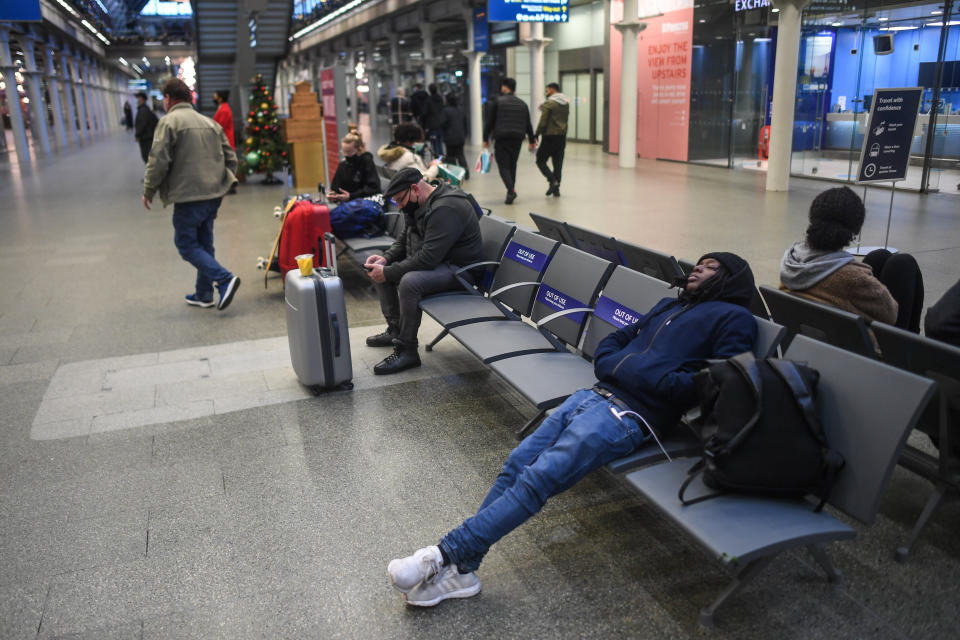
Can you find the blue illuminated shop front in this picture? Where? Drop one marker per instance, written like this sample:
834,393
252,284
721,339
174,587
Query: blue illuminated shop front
848,50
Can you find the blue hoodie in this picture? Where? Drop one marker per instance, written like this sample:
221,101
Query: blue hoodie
650,364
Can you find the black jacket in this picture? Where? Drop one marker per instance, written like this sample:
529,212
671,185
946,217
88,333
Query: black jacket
145,124
943,318
443,230
454,125
508,117
357,175
418,104
433,119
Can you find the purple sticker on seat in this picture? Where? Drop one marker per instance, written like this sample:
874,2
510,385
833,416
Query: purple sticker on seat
614,313
526,256
559,301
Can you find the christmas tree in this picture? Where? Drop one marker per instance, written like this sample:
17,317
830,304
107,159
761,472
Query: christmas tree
264,149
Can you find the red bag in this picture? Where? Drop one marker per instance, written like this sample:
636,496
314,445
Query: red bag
303,230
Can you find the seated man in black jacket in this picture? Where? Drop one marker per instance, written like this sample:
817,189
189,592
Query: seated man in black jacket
441,235
645,380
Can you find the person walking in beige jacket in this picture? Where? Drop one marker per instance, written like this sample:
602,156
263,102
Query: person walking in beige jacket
192,165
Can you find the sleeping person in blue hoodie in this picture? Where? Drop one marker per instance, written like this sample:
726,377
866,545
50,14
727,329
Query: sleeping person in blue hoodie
645,382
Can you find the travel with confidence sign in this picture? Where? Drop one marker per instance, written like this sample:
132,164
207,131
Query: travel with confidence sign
885,156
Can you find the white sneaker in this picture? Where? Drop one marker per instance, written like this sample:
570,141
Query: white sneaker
449,583
406,573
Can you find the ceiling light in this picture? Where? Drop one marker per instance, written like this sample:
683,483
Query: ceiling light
936,12
123,62
836,24
883,19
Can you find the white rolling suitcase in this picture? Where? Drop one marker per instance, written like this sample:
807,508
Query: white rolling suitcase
317,327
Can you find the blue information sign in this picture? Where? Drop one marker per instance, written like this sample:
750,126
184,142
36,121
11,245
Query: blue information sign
481,30
21,11
885,156
528,11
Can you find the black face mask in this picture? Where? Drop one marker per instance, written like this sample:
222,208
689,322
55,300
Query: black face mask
410,208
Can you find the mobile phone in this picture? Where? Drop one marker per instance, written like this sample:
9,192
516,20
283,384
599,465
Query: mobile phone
368,267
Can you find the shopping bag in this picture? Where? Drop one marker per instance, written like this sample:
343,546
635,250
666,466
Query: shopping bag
451,173
483,162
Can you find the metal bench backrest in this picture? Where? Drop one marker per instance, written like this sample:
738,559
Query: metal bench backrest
393,222
819,321
573,280
652,263
867,409
524,260
626,296
554,229
769,336
496,236
926,357
595,243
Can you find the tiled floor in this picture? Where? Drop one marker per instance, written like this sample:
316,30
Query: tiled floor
164,477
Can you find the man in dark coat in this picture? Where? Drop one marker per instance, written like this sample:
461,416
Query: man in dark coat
419,101
144,126
455,133
645,372
508,120
441,235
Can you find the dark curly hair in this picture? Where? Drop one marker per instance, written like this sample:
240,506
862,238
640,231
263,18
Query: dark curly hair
836,216
408,132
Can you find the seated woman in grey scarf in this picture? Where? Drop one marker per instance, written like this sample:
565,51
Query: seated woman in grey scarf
884,287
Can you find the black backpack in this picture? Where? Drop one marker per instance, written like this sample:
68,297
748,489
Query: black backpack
761,434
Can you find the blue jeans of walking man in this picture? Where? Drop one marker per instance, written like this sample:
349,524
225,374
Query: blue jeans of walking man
193,237
580,436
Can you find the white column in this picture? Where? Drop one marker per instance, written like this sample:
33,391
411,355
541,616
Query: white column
426,32
395,62
70,109
372,69
87,88
536,43
475,97
16,115
58,129
629,28
34,78
353,114
106,117
784,93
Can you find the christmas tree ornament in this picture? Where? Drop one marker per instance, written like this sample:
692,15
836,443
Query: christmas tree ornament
252,158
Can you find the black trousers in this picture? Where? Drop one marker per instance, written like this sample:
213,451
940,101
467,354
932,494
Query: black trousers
551,148
900,274
145,148
506,151
455,155
400,301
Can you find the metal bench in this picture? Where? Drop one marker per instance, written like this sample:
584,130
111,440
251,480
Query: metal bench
553,229
652,263
819,321
867,423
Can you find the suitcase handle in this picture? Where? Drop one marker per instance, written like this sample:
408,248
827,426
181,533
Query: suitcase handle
335,327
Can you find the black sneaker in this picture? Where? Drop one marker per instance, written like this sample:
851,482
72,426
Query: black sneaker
511,196
384,339
556,190
227,290
403,357
549,190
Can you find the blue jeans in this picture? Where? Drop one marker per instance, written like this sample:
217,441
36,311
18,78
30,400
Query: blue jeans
193,236
580,436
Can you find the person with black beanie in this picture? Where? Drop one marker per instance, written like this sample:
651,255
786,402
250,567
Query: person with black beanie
645,377
884,287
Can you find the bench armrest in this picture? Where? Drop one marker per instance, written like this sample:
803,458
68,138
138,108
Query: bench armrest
559,314
485,263
494,294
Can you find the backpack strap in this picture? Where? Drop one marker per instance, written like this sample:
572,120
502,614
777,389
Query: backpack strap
746,364
833,460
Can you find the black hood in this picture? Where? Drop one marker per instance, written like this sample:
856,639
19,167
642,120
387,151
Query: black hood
734,283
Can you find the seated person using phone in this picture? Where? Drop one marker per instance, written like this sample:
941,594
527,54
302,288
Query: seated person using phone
441,235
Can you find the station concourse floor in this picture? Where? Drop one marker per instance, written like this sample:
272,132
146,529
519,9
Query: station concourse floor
164,475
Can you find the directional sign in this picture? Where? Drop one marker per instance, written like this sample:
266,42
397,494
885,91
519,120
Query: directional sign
885,156
528,11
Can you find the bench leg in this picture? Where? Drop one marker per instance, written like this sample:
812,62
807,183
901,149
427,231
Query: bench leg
742,577
932,503
820,555
532,424
440,336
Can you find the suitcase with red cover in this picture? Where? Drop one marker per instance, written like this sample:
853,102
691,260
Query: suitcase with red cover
303,229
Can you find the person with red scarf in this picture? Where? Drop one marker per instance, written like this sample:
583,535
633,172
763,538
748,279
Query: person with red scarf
224,116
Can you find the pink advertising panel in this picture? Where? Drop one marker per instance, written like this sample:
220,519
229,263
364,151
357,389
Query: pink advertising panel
663,82
328,96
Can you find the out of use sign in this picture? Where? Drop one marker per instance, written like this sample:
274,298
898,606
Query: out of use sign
885,156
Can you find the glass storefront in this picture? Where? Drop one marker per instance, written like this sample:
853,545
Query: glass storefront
847,51
845,57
